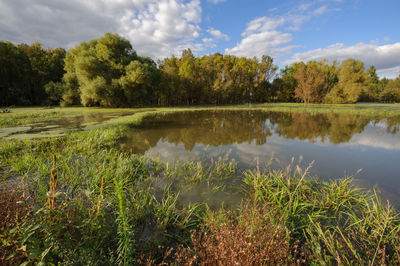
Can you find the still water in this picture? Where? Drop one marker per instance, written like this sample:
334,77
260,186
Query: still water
339,144
59,126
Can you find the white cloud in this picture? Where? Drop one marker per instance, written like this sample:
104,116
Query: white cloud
321,10
163,27
155,28
209,42
386,58
217,1
271,35
261,37
218,34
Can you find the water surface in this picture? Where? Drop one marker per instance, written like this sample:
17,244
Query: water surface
59,126
339,144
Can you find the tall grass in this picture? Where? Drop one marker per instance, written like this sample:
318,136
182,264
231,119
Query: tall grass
113,207
334,221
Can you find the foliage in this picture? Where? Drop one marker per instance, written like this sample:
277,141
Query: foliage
391,92
310,82
108,72
351,78
25,70
15,70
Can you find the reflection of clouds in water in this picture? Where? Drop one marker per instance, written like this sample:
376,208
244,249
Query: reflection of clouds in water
249,154
373,137
177,152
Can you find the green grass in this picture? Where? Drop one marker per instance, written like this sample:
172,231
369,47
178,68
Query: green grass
115,207
28,115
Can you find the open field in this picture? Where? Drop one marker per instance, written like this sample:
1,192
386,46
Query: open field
79,199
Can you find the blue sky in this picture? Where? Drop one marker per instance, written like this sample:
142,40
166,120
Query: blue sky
313,26
288,31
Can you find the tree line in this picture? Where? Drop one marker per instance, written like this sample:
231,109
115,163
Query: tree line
108,72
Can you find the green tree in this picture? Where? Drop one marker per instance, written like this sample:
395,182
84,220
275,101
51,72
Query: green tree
391,92
351,81
108,72
284,85
371,89
47,66
55,91
15,73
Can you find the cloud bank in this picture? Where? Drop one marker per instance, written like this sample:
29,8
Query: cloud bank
155,28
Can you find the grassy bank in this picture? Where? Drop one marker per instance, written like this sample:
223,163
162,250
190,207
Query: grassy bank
28,115
77,199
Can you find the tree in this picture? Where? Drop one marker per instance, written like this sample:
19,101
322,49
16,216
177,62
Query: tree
283,86
108,72
55,91
310,82
371,88
391,92
47,65
351,81
15,72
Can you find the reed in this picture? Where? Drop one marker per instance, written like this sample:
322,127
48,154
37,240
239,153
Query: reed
52,185
104,206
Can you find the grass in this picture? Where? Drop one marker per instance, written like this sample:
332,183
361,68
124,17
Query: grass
77,199
28,115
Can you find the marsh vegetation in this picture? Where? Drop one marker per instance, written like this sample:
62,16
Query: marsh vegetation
99,196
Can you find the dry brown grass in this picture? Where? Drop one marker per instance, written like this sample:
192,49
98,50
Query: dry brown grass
245,240
14,207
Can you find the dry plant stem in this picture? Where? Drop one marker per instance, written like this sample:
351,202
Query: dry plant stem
52,185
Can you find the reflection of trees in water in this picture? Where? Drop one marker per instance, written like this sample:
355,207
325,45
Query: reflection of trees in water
212,128
216,128
392,124
338,128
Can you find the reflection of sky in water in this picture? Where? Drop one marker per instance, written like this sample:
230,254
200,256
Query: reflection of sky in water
372,149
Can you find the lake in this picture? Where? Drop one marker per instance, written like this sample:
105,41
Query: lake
340,145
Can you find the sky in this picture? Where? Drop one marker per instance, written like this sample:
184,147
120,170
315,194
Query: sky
288,31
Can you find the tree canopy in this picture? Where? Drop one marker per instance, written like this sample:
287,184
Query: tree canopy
108,72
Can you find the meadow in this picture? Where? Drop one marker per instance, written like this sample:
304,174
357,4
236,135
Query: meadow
79,199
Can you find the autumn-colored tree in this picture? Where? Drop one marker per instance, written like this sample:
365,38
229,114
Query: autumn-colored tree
310,82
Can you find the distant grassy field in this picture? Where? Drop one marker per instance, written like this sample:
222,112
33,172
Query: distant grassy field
79,200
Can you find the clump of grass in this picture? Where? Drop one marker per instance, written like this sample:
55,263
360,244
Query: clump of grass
125,234
334,221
